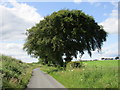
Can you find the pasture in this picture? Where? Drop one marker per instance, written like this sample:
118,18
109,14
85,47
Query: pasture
92,74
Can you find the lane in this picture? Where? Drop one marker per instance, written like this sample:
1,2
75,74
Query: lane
43,80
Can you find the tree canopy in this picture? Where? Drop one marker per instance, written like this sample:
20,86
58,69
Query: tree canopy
64,32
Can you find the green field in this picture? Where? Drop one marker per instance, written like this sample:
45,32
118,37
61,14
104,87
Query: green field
93,74
14,73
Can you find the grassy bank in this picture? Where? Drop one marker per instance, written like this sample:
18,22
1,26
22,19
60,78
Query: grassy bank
93,74
14,73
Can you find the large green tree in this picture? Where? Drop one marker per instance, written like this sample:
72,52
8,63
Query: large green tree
64,32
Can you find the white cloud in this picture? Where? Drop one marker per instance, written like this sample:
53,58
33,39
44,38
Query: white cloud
25,12
115,4
106,14
111,23
15,50
109,51
97,4
14,22
93,1
78,1
19,17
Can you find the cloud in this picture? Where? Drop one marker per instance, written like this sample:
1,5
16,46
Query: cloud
94,1
26,12
15,50
20,16
115,4
15,19
111,23
109,51
78,1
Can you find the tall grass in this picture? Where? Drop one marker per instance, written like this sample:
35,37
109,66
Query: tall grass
14,73
94,74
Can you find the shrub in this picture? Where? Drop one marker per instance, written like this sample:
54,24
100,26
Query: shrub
15,73
73,64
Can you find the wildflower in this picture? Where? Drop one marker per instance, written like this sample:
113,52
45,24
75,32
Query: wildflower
71,70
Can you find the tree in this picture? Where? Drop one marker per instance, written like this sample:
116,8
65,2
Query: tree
116,58
64,32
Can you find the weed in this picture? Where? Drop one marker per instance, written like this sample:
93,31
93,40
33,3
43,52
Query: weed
95,74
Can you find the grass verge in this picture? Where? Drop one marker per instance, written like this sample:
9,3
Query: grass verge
94,74
14,73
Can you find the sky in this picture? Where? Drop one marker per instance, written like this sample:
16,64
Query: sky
18,16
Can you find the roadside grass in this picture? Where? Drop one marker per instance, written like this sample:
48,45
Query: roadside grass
14,73
93,74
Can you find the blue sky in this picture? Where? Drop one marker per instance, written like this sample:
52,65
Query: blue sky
95,10
19,16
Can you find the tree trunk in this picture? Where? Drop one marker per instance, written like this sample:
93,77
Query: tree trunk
67,60
61,63
46,61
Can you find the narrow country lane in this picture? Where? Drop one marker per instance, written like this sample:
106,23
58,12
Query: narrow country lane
43,80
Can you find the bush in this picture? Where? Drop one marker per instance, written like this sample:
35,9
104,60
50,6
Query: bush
73,64
15,73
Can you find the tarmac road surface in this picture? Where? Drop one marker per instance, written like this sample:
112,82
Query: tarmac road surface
43,80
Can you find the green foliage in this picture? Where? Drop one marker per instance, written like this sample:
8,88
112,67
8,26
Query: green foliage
49,69
94,74
14,73
64,32
73,64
